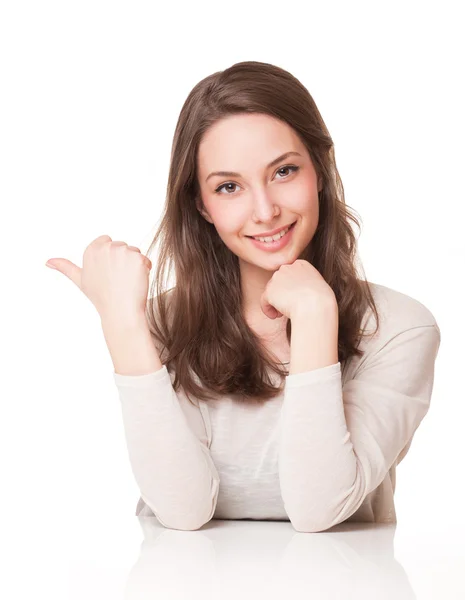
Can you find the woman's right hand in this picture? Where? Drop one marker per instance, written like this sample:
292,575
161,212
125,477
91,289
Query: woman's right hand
114,276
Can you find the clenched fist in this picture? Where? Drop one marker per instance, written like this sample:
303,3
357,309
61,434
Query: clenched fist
114,276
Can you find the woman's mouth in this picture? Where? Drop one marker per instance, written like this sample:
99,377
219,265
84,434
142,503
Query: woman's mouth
275,242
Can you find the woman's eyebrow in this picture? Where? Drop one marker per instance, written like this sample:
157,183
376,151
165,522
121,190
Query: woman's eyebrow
234,174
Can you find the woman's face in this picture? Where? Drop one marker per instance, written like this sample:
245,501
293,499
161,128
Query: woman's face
255,198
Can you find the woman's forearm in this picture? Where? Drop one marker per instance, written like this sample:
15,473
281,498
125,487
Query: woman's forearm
130,345
314,339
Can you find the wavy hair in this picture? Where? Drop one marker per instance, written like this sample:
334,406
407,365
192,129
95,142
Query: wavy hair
198,322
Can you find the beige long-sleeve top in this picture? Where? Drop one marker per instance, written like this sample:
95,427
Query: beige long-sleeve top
323,452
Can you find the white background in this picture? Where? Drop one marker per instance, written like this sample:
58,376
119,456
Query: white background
90,96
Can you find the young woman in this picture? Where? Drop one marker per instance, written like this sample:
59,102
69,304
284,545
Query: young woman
256,228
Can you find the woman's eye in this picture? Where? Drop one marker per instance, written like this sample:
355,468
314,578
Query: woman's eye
217,191
291,168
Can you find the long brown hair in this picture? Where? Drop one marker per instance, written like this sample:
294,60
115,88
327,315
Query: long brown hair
198,322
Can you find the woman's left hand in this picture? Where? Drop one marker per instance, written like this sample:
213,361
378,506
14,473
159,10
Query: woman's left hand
293,286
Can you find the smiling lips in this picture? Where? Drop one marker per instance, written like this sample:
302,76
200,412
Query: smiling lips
274,244
270,236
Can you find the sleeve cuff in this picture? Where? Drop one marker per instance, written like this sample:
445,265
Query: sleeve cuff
140,381
313,376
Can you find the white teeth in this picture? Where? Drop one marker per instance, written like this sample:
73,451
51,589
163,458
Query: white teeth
273,238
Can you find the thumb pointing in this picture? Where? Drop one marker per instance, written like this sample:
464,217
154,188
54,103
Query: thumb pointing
72,271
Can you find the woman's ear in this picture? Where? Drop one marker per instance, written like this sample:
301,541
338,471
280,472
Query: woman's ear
202,210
